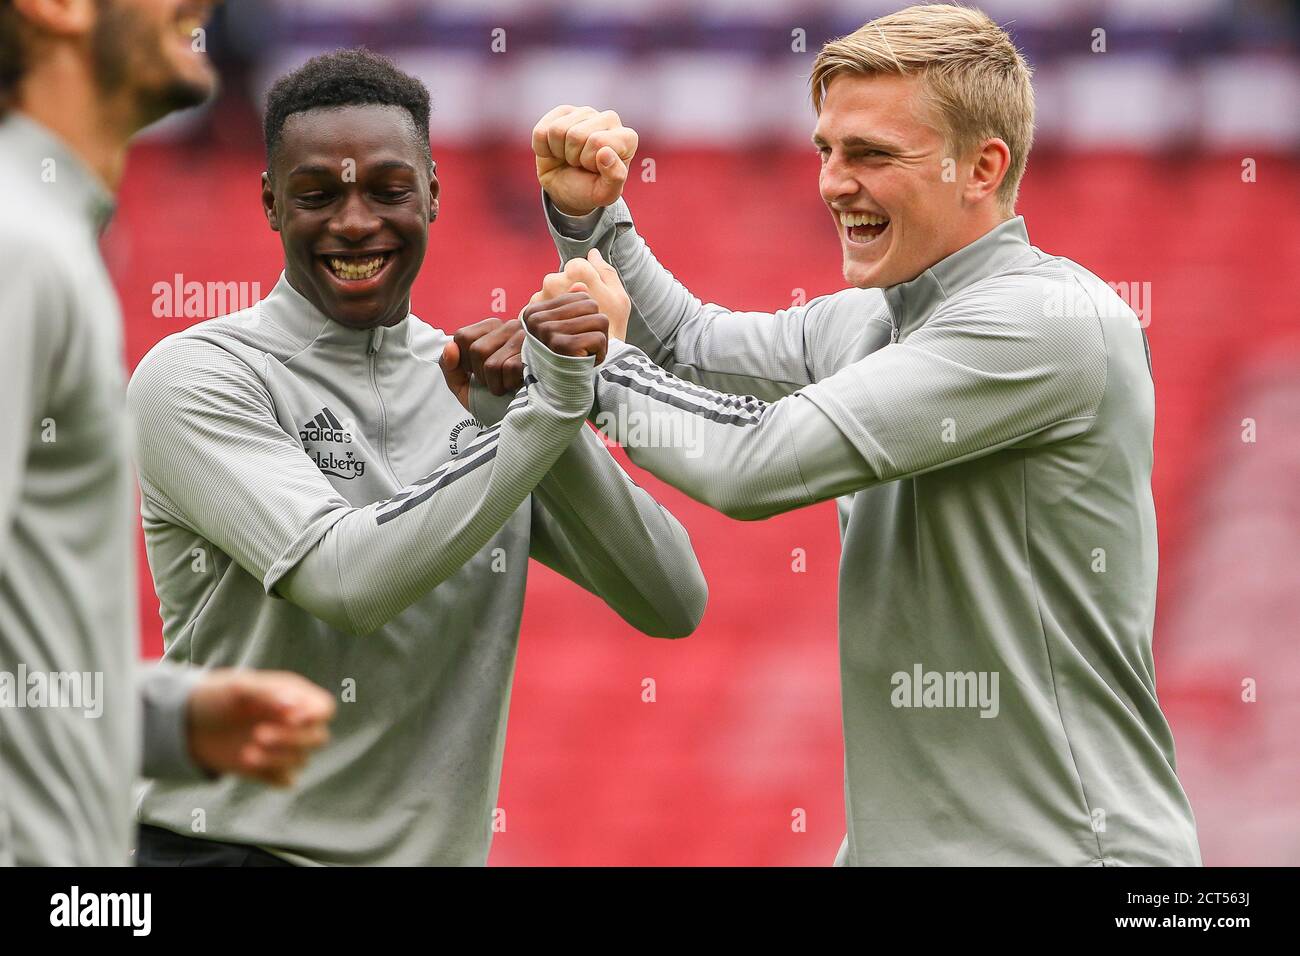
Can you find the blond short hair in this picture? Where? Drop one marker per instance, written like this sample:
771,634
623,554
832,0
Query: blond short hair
973,76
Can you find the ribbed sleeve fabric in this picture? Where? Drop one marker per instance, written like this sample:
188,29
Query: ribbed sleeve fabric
212,456
987,370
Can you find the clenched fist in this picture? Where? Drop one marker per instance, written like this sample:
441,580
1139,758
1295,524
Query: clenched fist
490,351
596,277
262,725
582,157
570,324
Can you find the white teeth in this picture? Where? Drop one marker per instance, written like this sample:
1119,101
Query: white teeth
356,268
862,219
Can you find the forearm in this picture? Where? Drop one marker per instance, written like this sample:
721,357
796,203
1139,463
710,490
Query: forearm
374,562
757,353
593,524
736,454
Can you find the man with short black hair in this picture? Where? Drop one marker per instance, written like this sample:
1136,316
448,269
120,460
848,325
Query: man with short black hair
368,532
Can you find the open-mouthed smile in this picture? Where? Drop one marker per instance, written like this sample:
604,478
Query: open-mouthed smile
862,228
356,268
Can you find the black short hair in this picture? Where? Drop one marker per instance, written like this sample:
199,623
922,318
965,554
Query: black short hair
355,77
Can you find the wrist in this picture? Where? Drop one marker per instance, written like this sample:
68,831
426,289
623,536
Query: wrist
572,212
565,380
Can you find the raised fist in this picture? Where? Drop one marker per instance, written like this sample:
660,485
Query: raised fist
582,157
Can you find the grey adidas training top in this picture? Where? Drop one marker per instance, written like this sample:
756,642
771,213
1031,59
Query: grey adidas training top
987,428
315,499
70,688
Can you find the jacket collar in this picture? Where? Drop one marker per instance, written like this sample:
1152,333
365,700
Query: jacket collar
63,178
290,309
914,301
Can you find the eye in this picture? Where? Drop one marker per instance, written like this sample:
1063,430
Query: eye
316,197
396,194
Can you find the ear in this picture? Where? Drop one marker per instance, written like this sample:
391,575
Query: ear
268,203
434,190
989,168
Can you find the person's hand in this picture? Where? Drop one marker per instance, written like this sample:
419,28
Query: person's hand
258,724
582,157
490,350
569,324
598,279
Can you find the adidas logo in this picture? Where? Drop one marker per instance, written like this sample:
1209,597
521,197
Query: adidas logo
325,427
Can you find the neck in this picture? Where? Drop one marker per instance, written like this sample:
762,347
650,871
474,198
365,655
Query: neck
60,93
977,228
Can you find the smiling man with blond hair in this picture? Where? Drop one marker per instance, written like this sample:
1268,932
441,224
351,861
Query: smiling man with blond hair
983,411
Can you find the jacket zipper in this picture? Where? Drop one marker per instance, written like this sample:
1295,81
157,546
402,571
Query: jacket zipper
372,349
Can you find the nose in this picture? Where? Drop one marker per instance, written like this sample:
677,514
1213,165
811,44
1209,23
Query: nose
836,181
355,220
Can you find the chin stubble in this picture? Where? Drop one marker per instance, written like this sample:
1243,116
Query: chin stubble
122,45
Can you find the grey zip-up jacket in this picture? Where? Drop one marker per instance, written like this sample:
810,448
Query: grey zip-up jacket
987,428
74,701
316,499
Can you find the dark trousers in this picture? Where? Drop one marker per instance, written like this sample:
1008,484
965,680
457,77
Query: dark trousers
158,847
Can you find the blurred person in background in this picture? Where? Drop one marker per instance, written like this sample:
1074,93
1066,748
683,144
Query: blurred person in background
367,531
983,410
77,79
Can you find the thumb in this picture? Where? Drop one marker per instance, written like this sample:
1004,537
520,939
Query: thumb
612,168
456,376
604,269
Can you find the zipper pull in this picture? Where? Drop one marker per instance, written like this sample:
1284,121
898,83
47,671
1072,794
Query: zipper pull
376,339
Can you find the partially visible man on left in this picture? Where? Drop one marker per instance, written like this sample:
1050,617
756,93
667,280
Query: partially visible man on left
77,79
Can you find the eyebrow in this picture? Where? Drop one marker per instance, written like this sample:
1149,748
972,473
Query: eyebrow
858,142
318,169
